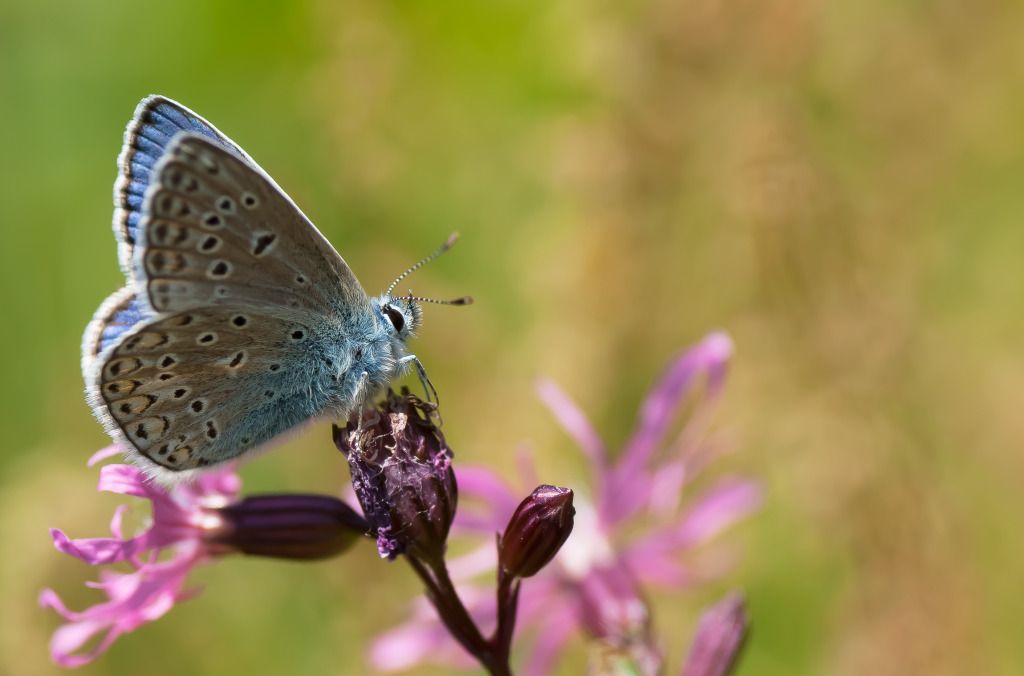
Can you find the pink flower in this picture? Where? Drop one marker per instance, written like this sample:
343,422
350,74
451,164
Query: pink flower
631,532
183,518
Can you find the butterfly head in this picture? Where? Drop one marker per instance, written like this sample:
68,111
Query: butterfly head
400,316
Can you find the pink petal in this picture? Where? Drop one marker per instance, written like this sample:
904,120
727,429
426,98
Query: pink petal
96,551
126,480
654,565
49,599
117,520
720,507
626,492
416,642
719,637
496,499
667,487
717,509
406,645
611,604
103,454
483,559
71,637
222,484
527,470
483,483
711,355
552,636
133,600
465,522
574,422
538,596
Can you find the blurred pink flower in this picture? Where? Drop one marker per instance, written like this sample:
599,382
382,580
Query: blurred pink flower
182,517
631,532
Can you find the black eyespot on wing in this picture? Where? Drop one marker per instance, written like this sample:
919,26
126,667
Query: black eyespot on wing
396,317
262,243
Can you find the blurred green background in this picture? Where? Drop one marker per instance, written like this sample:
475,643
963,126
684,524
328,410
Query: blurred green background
838,185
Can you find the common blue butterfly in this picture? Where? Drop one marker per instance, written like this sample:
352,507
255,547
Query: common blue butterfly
238,320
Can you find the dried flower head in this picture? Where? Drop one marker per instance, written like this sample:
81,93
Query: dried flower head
402,475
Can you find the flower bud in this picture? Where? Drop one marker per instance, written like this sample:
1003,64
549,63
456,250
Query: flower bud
719,638
537,530
402,475
286,526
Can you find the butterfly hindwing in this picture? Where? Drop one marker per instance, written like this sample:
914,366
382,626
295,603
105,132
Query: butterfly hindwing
116,315
203,386
216,231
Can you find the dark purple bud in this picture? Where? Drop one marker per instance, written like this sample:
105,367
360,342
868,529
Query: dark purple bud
537,530
719,638
402,474
286,526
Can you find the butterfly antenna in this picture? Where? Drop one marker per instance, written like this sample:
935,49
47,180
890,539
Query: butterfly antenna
462,300
419,264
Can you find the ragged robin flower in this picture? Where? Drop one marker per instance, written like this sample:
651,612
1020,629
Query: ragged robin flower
632,531
191,524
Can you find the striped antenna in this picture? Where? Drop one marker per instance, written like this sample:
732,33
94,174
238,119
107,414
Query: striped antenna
462,300
444,247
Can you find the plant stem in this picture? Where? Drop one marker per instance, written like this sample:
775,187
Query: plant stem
508,604
456,618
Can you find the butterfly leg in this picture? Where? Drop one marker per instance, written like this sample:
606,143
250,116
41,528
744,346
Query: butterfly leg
358,397
428,387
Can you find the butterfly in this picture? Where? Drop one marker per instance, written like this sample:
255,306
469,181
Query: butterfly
238,319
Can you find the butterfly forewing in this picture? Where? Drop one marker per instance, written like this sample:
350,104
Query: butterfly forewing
156,121
215,231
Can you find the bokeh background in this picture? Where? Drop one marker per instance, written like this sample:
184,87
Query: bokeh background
838,185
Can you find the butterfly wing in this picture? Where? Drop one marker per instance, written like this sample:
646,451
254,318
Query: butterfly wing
155,122
117,314
203,386
215,231
232,295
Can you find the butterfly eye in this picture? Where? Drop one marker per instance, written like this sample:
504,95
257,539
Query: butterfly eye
397,320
